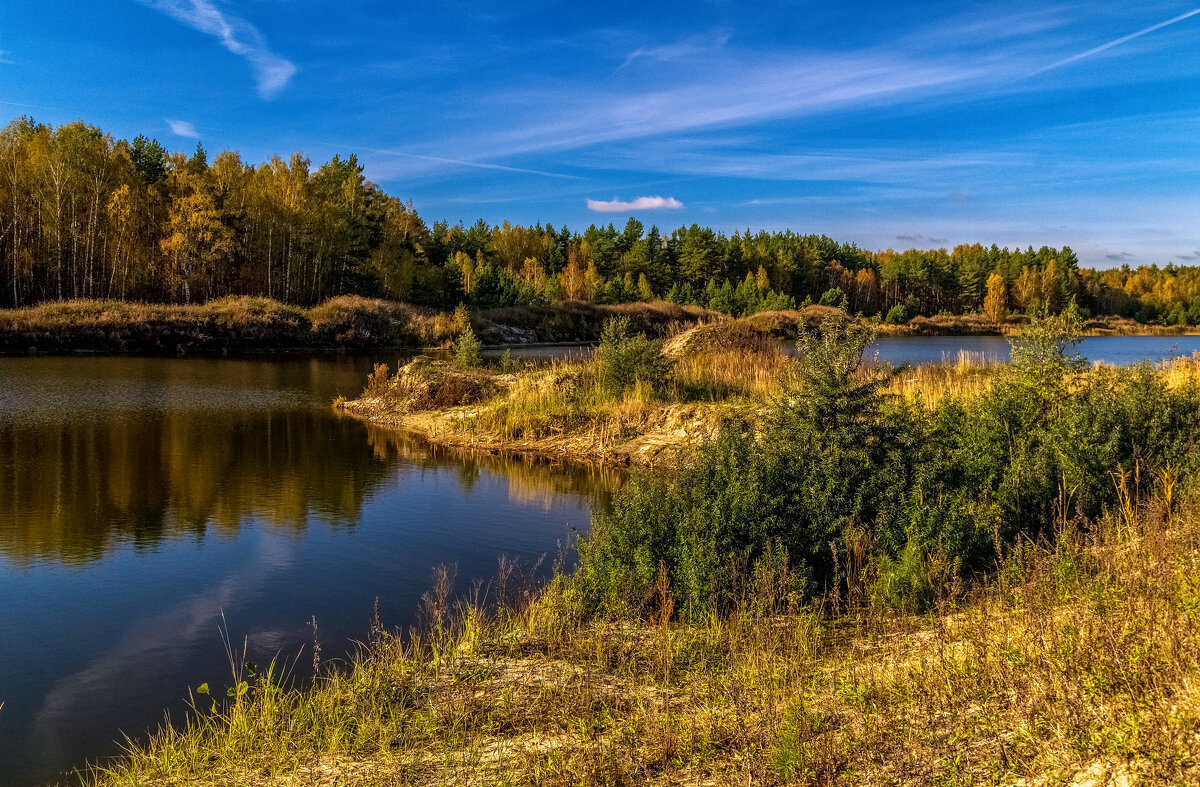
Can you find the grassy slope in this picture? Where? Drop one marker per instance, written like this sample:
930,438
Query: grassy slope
1078,664
248,324
565,409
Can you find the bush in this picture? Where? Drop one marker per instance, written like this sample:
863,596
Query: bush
507,363
624,359
897,315
834,297
466,349
825,461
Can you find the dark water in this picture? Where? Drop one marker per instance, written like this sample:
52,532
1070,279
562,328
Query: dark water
141,499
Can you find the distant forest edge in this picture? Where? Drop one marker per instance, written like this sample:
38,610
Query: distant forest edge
84,215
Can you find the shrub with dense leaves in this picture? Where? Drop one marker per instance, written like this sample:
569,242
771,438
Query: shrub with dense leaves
624,359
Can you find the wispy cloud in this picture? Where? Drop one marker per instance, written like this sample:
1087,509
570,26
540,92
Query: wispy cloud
237,35
4,57
676,50
1119,41
732,92
182,128
1121,256
472,164
717,156
641,203
922,240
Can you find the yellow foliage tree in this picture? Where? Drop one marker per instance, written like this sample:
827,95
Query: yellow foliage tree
995,303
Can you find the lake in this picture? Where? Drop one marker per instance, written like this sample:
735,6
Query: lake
143,501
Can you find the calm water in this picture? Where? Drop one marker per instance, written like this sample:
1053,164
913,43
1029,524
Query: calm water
1113,350
142,498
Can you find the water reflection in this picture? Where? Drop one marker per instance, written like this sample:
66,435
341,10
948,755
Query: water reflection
142,500
531,480
74,490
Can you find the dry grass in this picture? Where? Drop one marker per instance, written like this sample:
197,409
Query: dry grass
561,407
970,375
425,384
729,360
1181,372
234,323
1077,663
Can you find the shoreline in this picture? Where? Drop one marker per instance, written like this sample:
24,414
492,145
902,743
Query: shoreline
249,326
647,449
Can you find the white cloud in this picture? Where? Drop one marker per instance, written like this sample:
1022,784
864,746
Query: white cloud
641,203
182,128
238,36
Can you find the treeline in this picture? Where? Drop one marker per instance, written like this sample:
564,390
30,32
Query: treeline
84,215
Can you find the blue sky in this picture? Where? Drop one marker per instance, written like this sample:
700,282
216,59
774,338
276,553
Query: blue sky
886,124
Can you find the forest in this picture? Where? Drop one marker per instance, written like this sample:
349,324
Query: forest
84,215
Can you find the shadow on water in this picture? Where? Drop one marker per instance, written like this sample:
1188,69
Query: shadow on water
142,499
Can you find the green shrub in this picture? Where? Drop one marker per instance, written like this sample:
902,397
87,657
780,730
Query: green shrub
897,315
624,358
466,349
834,297
826,460
507,364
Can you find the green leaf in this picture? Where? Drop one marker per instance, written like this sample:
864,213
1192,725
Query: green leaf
202,688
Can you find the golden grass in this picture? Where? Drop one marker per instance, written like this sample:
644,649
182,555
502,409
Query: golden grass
239,323
1181,372
1078,663
968,376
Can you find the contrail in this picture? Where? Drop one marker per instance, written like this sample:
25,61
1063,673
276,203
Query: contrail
1121,40
482,165
462,163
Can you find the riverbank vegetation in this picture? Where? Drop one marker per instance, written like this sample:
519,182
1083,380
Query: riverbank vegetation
88,216
246,324
646,401
861,584
637,399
